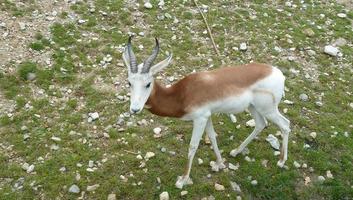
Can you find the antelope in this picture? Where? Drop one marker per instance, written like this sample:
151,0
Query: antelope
231,90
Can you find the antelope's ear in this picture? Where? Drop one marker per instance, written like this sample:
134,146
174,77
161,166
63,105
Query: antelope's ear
126,58
161,65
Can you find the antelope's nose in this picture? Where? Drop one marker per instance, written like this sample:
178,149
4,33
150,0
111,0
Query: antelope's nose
134,110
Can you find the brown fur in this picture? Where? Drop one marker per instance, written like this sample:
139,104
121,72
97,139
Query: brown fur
199,88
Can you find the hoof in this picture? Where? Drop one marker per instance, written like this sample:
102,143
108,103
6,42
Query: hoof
280,163
182,180
234,152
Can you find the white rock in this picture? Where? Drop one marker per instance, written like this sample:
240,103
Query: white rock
321,179
157,130
74,189
200,161
233,167
250,123
91,188
22,26
243,46
254,182
288,102
164,196
276,153
331,50
303,97
329,174
25,166
81,21
183,193
296,164
273,141
342,15
30,169
111,197
235,187
161,3
139,157
56,139
148,5
149,155
313,134
233,118
94,115
219,187
90,163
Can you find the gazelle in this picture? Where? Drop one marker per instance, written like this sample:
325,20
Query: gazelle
256,87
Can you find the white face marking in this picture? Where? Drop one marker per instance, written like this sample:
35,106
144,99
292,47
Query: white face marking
140,89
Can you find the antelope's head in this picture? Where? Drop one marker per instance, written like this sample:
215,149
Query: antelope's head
140,76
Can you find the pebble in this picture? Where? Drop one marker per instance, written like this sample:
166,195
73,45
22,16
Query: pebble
200,161
74,189
111,196
341,15
303,97
161,3
273,141
164,196
296,164
25,166
93,115
311,52
157,130
235,187
31,76
149,155
307,180
91,188
90,163
22,26
313,134
56,139
321,179
288,102
254,182
329,174
148,5
331,50
250,123
233,167
243,46
183,193
219,187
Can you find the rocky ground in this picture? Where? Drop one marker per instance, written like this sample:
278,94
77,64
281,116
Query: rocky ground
64,124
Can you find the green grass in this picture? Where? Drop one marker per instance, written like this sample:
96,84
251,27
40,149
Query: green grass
58,100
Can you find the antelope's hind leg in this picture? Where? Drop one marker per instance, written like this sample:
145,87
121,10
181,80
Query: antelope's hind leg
260,124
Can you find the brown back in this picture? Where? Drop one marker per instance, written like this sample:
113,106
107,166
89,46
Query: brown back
202,87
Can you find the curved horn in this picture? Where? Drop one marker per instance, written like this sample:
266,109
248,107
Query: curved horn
132,57
148,62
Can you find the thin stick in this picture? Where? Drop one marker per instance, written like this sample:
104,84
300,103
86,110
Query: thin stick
208,28
127,151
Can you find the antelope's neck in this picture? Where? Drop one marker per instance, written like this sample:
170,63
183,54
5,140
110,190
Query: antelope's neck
164,102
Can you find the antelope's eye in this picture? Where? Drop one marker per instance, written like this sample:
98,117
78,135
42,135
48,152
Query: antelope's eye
129,83
148,85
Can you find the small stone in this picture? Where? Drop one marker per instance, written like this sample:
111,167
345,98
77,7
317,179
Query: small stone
309,32
149,155
329,174
313,134
304,165
303,97
311,52
321,179
62,169
148,5
111,197
243,46
233,167
235,187
296,164
81,21
163,150
91,188
219,187
22,26
288,102
273,141
164,196
157,130
90,163
319,103
341,15
307,180
31,76
25,166
331,50
254,182
250,123
74,189
200,161
183,193
56,139
93,115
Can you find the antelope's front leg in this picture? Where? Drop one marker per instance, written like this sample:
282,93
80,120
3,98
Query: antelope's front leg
198,129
